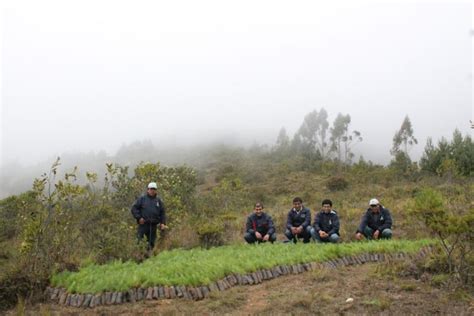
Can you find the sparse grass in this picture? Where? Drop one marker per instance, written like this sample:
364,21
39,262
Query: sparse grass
199,266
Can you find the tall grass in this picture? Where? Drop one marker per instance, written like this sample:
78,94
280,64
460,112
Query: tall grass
200,266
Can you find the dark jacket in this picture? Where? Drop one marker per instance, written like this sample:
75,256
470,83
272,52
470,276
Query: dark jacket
377,221
301,218
152,209
262,224
327,222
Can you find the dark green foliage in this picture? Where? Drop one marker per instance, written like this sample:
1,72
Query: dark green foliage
449,158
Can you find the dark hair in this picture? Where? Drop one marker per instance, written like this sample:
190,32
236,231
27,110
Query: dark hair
259,204
327,201
297,199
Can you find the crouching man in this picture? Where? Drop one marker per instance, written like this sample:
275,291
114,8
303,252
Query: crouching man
376,222
326,224
259,227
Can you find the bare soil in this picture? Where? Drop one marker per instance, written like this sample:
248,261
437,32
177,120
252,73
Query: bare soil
373,288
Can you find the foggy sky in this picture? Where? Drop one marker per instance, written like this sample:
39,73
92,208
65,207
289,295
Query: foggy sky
91,75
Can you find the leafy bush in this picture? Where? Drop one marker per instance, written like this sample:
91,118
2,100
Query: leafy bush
337,183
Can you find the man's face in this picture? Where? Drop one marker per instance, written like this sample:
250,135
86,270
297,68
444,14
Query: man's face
375,208
326,208
258,210
151,192
297,205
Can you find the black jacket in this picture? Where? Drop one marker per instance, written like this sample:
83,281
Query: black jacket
327,222
262,224
377,221
152,209
301,218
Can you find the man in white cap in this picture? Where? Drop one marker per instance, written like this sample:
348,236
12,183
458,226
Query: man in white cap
376,222
149,211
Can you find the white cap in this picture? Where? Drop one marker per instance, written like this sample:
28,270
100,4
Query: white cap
374,202
152,185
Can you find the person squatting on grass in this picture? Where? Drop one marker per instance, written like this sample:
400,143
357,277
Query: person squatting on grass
259,227
298,224
326,224
376,222
149,211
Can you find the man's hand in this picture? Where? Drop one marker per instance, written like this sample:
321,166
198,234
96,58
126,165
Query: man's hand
266,237
299,230
294,230
141,221
323,234
358,236
163,227
258,235
376,234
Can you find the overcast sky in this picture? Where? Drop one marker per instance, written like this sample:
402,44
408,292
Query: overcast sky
91,75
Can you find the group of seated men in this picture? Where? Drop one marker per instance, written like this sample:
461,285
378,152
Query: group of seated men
376,223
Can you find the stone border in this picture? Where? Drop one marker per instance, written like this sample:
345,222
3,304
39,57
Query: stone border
62,297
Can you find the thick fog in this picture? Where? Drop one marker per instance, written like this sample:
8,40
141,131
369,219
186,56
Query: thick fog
91,75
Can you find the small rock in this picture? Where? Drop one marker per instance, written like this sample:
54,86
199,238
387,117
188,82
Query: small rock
350,300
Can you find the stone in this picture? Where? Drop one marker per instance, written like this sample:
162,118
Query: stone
97,299
131,295
200,296
149,293
187,294
179,293
205,291
80,300
140,295
166,290
172,292
239,279
54,294
213,287
87,301
220,285
62,298
113,297
120,298
154,294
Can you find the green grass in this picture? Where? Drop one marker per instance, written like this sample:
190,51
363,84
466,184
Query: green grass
200,266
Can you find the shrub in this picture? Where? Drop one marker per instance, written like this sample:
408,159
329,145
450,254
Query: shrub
337,183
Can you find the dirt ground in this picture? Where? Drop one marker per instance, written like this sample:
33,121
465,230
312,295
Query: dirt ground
374,288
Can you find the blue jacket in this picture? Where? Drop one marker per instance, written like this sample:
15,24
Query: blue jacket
377,221
327,222
149,208
301,218
262,224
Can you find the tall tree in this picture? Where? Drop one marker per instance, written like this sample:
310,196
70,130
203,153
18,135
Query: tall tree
404,137
314,134
342,139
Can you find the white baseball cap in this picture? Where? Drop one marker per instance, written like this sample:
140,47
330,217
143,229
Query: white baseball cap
374,202
152,185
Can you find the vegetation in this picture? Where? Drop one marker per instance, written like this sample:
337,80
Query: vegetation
71,218
201,267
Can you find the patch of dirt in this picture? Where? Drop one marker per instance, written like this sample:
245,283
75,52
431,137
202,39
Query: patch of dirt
322,292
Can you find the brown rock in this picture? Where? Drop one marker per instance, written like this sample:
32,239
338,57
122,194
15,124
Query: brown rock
149,293
131,295
87,300
205,291
213,287
155,294
172,292
179,293
80,300
62,298
120,298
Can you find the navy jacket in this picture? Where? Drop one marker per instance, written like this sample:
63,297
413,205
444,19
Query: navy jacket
327,222
262,224
149,208
377,221
301,218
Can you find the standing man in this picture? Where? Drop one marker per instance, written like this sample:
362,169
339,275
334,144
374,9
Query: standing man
376,222
149,211
298,222
326,224
259,226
